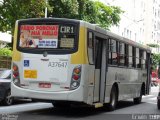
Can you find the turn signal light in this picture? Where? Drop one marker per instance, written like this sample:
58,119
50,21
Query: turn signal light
76,77
15,68
77,70
15,71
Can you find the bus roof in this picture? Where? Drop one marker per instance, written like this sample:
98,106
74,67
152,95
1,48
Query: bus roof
115,36
97,29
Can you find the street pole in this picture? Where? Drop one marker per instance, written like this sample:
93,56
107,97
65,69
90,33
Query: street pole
46,9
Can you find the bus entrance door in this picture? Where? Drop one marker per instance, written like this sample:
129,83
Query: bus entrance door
100,70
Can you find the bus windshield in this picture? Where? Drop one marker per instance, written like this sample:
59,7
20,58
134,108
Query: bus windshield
47,37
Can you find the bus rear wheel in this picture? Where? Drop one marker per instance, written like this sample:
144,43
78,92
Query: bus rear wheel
138,100
113,99
158,104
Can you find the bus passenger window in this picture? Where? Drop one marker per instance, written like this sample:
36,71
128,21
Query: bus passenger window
110,58
90,48
138,58
130,56
143,60
121,54
126,55
110,53
134,56
113,47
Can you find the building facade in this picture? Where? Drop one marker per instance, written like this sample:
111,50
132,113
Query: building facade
153,28
140,21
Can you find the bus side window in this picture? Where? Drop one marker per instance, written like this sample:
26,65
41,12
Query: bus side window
126,55
130,56
121,54
144,60
134,57
114,51
110,53
138,58
91,47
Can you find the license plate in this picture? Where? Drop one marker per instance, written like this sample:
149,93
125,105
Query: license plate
44,85
30,74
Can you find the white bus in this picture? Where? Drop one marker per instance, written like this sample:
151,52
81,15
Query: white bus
72,61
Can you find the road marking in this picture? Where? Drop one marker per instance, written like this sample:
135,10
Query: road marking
24,107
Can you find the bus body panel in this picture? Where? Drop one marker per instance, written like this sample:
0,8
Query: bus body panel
129,82
16,56
52,69
80,57
47,72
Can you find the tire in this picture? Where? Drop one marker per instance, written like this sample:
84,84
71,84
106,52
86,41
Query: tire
158,104
8,100
138,100
113,99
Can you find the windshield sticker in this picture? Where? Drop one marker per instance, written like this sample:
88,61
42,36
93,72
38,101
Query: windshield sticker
39,36
67,42
49,43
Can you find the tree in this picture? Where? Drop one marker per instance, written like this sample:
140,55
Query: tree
152,45
92,11
5,51
88,10
156,60
12,10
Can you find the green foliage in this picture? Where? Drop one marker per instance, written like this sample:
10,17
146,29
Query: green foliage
92,11
107,16
153,45
88,10
156,60
12,10
5,51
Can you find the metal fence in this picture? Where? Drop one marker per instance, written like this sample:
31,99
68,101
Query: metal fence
5,62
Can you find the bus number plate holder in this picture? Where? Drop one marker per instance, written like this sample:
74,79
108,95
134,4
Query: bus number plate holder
44,85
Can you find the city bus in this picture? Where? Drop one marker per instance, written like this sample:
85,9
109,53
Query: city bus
73,62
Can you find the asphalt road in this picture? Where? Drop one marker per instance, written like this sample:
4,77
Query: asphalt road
126,110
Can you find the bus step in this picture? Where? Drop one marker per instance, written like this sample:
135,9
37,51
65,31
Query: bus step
97,105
